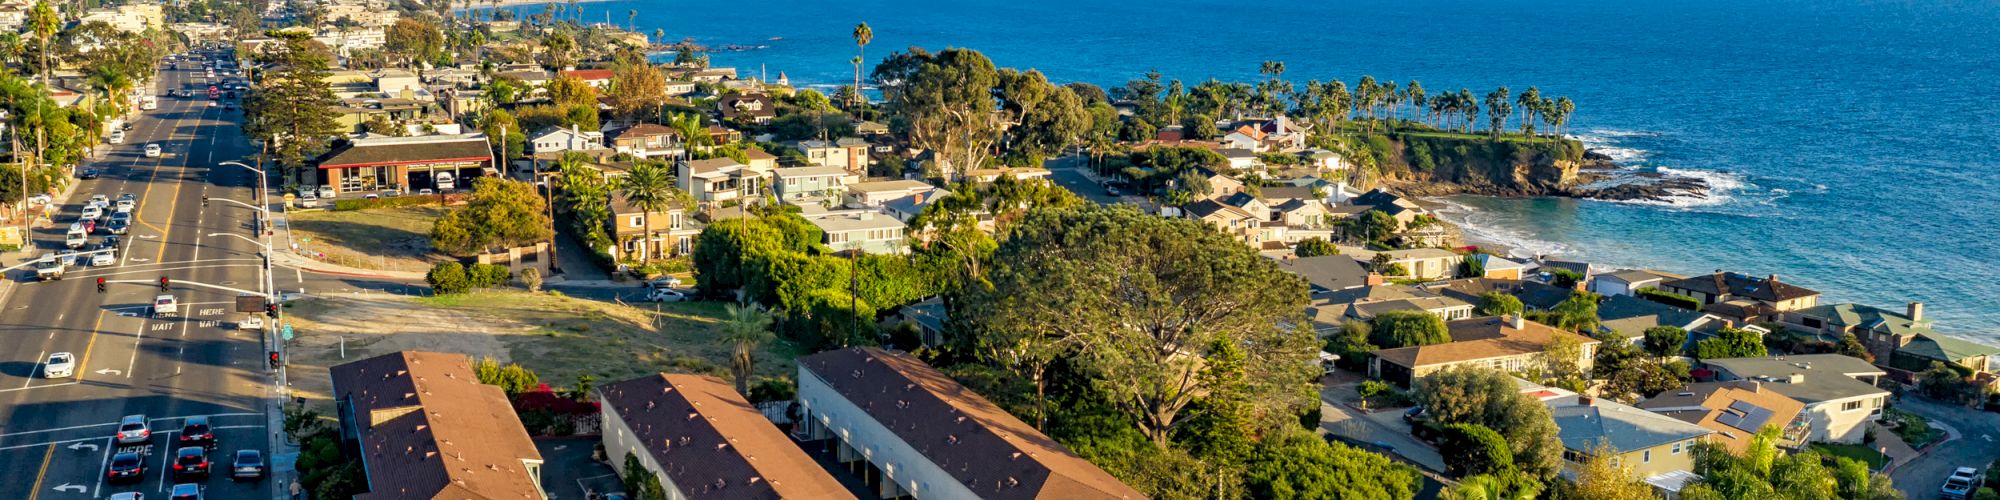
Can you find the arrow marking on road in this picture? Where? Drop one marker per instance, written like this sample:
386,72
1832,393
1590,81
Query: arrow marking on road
110,371
136,259
65,487
81,445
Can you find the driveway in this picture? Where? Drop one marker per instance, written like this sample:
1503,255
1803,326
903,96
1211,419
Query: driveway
1979,447
1381,427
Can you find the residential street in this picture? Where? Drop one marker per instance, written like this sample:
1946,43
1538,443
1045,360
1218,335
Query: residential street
1978,448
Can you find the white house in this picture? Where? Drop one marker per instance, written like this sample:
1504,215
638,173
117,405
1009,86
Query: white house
1839,391
554,139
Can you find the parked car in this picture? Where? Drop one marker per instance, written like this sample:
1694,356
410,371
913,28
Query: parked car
117,137
127,467
196,432
133,430
664,282
128,495
249,465
665,295
191,462
308,200
88,174
326,192
59,365
1961,484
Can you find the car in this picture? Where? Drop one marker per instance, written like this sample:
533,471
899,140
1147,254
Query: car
185,492
108,257
91,213
59,365
326,192
190,462
253,322
49,268
213,104
229,107
1413,414
308,200
133,430
126,467
89,225
249,465
125,126
391,193
152,150
664,282
126,202
128,495
87,174
196,432
41,199
1112,191
164,306
117,137
665,295
111,241
1960,485
99,201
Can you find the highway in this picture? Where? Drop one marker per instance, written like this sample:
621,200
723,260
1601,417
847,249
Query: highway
55,435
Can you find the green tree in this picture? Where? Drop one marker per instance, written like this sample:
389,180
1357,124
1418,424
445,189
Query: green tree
1578,313
1314,247
1049,117
1489,397
1730,343
1395,329
641,483
1665,340
1297,464
510,377
1850,346
745,327
946,103
1475,449
1375,226
1498,303
448,277
291,108
1506,485
1149,295
499,213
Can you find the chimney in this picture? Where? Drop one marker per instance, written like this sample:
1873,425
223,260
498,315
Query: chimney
1916,312
1516,321
1374,279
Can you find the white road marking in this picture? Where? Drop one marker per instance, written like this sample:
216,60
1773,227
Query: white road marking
81,445
110,371
38,368
102,463
66,486
38,387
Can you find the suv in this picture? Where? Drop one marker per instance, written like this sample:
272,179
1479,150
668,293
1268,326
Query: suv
249,465
1961,484
126,467
195,432
185,492
133,430
190,462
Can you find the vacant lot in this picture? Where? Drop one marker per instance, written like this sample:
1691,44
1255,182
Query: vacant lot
558,337
387,239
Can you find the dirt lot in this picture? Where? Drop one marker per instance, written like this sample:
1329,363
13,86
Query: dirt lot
558,337
387,239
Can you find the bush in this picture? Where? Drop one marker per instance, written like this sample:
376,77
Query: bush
511,378
489,275
393,202
448,277
531,279
1672,299
1477,449
779,388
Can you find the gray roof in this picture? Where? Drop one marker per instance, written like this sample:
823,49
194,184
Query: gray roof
1286,193
1583,427
1820,377
1631,316
1328,273
1630,276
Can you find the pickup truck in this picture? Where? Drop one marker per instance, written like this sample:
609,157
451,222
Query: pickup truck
1961,484
49,269
164,306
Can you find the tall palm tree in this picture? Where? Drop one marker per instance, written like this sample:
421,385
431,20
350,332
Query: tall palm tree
44,21
1531,104
744,326
649,187
1414,95
693,135
632,20
1564,107
1467,107
862,35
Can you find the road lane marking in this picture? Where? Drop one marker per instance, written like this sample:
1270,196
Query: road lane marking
83,363
38,367
53,444
38,387
103,464
47,456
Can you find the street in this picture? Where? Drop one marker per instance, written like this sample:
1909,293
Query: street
57,433
1976,448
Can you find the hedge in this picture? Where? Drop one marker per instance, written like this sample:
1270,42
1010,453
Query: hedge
1669,298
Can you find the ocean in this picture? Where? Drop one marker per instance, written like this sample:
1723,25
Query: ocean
1855,145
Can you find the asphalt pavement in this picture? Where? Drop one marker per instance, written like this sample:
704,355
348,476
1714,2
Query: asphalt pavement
1976,447
56,433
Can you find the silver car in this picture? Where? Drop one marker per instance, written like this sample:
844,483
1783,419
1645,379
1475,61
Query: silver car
133,430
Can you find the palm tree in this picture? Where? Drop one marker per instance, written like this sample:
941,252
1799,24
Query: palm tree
1563,107
1497,109
46,23
1414,95
744,326
632,20
693,135
660,35
1468,107
862,35
649,187
1531,104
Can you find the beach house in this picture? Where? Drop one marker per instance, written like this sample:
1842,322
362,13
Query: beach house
1507,343
1839,392
1651,447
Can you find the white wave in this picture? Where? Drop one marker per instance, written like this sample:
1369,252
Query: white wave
1717,181
1479,227
1610,143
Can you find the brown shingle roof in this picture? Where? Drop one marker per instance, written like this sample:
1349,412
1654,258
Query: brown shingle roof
1767,289
990,451
408,150
429,429
1710,404
1480,338
712,443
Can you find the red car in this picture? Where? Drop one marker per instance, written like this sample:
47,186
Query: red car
191,462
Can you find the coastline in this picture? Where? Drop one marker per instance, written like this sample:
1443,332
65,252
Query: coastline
502,4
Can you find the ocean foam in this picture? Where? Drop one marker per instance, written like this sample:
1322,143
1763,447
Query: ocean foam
1478,227
1608,143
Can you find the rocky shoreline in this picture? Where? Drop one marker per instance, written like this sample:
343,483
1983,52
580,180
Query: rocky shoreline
1597,178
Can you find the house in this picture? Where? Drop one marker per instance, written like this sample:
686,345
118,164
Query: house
703,440
529,78
984,175
929,316
1304,214
747,108
595,78
647,140
1371,300
1509,343
1744,298
867,231
1839,391
426,428
926,436
1735,410
1534,296
758,159
1904,341
1330,273
1499,268
908,207
1241,159
393,82
1932,347
717,180
1324,160
404,163
1220,186
1226,218
1652,447
1627,282
1252,205
849,153
1549,266
875,193
671,233
566,139
811,184
1629,317
871,128
677,88
1415,263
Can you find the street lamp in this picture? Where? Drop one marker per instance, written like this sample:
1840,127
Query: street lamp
263,208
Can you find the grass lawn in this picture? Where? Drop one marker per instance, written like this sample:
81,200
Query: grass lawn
556,336
1875,459
390,239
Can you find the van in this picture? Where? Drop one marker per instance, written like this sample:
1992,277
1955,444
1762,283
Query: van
77,236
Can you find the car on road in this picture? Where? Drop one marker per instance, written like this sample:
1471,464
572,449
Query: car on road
185,492
98,200
664,282
126,202
152,151
249,465
1961,484
117,137
252,322
49,269
89,226
212,104
77,236
88,174
665,295
1112,191
118,225
59,365
191,462
126,467
164,306
108,256
133,429
229,106
128,495
196,432
92,211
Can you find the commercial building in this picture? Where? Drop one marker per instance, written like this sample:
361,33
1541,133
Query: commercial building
405,163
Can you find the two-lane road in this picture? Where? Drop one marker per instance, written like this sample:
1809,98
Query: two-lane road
54,434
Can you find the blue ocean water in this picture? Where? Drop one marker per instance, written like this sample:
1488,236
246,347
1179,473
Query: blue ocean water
1857,142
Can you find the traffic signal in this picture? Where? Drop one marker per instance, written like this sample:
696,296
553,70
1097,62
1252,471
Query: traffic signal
100,285
274,359
164,283
271,310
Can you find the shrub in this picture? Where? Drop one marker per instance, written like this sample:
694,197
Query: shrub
1478,449
531,279
1669,298
489,275
448,277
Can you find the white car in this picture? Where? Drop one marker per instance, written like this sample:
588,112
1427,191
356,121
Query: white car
666,295
308,200
165,306
104,258
152,151
326,192
98,200
251,323
92,212
118,137
133,429
59,365
40,199
664,282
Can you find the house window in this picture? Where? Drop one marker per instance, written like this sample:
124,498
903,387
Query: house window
638,221
1850,406
675,219
1813,323
1646,456
1677,447
685,246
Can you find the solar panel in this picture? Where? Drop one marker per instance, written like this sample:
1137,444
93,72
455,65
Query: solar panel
1744,416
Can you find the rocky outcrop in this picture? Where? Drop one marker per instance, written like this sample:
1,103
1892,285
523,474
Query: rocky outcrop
1422,165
